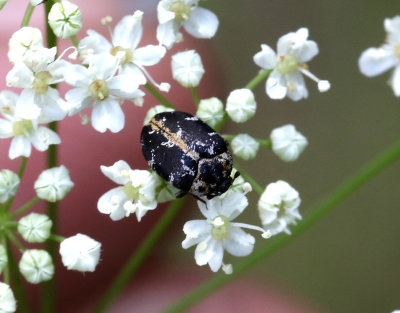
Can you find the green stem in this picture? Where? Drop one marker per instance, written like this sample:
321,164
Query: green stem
195,96
138,257
14,240
249,179
376,166
27,15
57,238
150,88
75,41
258,79
6,272
267,143
22,166
23,208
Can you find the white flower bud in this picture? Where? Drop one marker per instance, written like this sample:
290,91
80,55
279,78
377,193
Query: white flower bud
9,183
65,19
154,110
23,40
80,253
35,227
36,266
211,111
53,184
278,207
187,68
3,259
245,146
287,142
7,300
241,105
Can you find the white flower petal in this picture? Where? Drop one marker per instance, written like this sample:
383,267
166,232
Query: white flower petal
296,86
395,81
6,128
133,74
266,58
122,87
78,76
239,243
202,23
149,55
128,32
26,106
233,205
112,203
166,33
215,261
20,146
43,137
108,114
276,86
119,172
20,76
375,61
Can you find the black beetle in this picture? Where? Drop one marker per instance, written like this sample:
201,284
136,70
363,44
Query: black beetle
188,153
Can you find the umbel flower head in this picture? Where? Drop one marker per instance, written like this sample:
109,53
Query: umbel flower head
375,61
288,65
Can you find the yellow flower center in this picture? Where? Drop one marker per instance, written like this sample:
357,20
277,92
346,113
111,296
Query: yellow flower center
98,90
22,127
130,191
41,82
124,55
220,227
286,64
181,9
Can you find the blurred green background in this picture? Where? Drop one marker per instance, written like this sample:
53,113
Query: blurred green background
350,261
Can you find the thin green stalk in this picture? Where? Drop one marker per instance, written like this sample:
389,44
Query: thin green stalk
249,179
258,79
14,240
57,238
317,212
267,143
138,257
22,166
6,271
195,96
75,41
27,15
164,101
24,208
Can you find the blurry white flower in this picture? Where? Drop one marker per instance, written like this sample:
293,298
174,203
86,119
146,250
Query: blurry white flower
99,85
36,2
155,110
80,253
124,47
241,105
172,14
25,132
288,65
65,19
278,207
218,231
3,259
35,73
9,183
287,142
211,111
187,68
36,266
375,61
136,195
35,227
53,184
245,146
23,40
7,300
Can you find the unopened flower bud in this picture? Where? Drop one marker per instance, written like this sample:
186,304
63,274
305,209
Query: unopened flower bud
9,182
36,266
245,146
154,110
241,105
288,143
187,68
211,111
65,19
80,253
7,300
23,40
3,259
53,184
35,227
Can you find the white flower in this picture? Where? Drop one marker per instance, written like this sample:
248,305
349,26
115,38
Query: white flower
65,19
25,132
36,266
53,184
218,233
23,40
3,259
7,300
136,195
155,110
172,14
245,146
375,61
241,105
9,183
124,47
278,207
80,253
35,227
211,111
187,68
99,85
288,65
35,73
287,142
